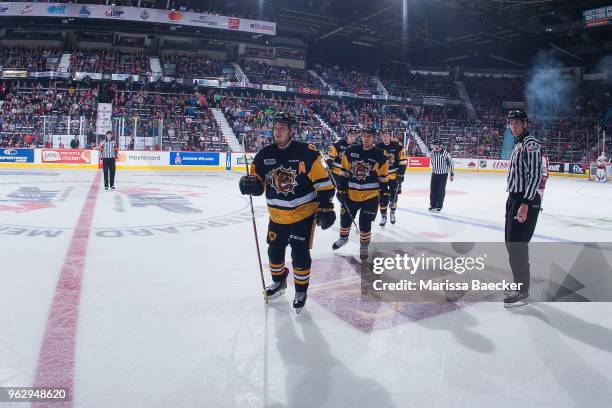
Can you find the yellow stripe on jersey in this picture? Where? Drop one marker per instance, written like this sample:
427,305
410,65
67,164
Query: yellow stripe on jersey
362,195
293,215
383,172
345,164
319,177
333,153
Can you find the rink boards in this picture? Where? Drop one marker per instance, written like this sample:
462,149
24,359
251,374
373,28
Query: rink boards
218,161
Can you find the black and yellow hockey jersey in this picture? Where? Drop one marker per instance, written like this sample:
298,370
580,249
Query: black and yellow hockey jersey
396,156
363,173
295,181
335,155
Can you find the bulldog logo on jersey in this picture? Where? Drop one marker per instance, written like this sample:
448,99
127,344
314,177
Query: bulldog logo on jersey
360,169
283,180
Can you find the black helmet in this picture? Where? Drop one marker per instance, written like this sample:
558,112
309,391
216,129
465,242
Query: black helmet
369,129
516,114
285,117
351,129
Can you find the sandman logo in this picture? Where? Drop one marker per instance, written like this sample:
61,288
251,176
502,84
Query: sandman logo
360,170
283,180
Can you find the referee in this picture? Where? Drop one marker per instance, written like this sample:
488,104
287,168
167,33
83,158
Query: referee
441,165
523,204
109,152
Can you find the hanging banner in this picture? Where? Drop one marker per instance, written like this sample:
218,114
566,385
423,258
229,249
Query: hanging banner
206,82
92,75
278,88
103,121
143,15
13,73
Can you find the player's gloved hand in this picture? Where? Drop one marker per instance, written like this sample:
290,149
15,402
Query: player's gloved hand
325,216
250,185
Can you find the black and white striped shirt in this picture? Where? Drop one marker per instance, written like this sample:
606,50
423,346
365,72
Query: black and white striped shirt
525,169
108,149
441,162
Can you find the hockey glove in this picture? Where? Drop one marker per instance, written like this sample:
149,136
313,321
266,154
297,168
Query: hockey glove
325,216
250,185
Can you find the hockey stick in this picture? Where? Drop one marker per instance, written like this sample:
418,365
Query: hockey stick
331,178
263,282
394,200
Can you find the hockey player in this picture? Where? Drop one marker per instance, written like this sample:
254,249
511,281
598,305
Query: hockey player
299,194
334,161
363,180
543,180
397,168
602,173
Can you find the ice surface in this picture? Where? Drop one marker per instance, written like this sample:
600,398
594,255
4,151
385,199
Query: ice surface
170,312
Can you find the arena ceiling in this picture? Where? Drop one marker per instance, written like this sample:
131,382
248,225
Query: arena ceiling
503,33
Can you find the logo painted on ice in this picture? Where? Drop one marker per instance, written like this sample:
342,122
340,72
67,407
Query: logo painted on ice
165,200
27,199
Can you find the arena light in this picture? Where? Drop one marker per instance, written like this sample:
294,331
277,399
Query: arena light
509,61
556,47
337,30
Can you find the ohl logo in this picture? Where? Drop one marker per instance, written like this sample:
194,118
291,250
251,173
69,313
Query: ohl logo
111,12
360,170
283,180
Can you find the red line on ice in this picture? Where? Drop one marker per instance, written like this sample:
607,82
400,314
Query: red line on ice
57,352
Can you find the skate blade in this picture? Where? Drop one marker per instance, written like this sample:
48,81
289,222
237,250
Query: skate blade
277,294
334,246
392,222
516,304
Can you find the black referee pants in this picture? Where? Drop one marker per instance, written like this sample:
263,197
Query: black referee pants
108,166
518,235
437,190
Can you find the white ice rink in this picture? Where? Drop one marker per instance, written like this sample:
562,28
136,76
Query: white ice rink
150,296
